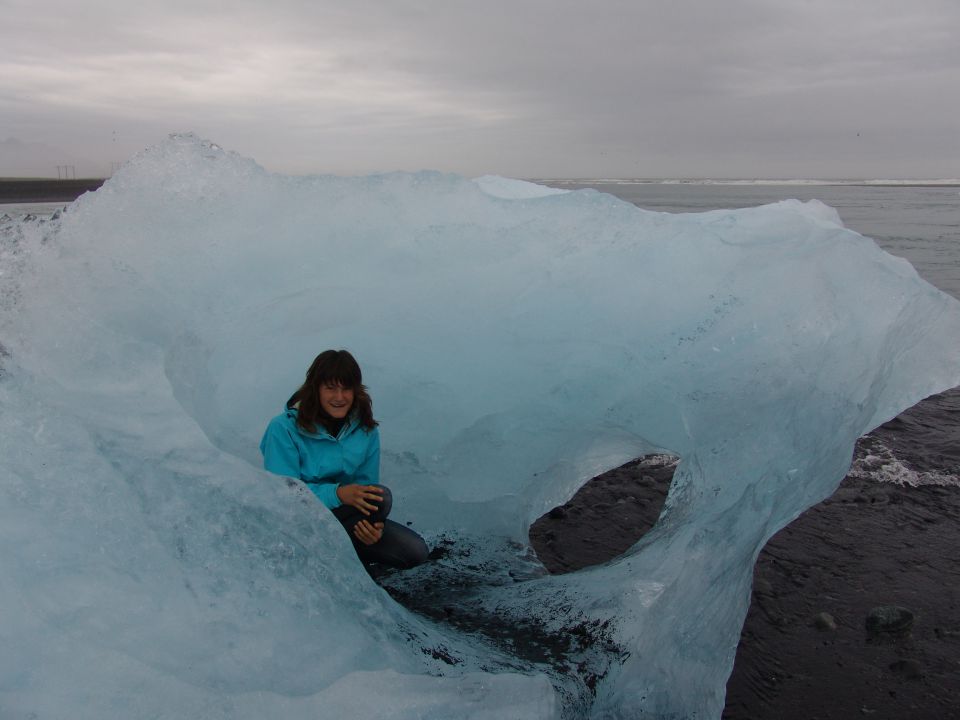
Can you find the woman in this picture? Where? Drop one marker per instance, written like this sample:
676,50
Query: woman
327,438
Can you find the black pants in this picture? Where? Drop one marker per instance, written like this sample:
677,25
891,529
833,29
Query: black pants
399,546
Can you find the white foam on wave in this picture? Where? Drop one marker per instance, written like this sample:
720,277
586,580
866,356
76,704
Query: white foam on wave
879,463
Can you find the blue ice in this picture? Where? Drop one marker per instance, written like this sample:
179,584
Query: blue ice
516,340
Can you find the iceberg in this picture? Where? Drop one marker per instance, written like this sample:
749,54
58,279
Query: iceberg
517,341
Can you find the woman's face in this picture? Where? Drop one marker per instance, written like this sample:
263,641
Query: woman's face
336,400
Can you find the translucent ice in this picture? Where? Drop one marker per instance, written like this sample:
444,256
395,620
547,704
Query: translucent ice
516,342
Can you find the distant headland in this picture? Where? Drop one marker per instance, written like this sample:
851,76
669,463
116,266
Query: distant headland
29,190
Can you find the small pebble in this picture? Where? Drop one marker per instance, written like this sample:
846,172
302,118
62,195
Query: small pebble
824,621
889,620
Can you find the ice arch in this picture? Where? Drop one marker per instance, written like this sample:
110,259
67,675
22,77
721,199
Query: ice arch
517,342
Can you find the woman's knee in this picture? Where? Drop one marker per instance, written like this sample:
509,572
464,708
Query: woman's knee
384,505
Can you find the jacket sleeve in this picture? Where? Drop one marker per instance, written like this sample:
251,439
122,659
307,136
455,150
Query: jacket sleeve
368,473
327,492
281,456
280,453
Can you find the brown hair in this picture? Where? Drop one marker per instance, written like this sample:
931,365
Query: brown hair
332,367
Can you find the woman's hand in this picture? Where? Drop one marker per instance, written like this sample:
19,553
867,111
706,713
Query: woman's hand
367,532
361,497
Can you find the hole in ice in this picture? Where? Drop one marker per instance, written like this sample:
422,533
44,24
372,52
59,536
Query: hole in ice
606,516
482,591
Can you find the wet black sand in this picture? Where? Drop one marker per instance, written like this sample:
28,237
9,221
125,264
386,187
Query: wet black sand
870,544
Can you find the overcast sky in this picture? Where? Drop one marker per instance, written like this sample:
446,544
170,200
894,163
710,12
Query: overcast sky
526,88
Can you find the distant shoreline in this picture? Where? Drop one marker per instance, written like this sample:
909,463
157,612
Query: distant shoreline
30,190
751,183
37,190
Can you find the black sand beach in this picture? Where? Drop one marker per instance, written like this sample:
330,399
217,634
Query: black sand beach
870,544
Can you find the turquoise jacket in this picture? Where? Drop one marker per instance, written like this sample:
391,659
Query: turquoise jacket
322,461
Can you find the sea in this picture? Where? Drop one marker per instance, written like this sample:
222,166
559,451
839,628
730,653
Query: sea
916,220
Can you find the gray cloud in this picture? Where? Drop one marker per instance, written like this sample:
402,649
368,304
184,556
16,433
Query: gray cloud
535,88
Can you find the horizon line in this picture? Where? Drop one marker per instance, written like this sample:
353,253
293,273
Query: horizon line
683,180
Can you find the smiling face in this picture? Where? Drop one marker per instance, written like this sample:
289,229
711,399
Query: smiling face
336,400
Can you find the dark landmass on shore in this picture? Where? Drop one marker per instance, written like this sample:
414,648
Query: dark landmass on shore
26,190
804,652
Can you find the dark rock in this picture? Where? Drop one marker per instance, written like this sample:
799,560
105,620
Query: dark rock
558,513
824,621
889,620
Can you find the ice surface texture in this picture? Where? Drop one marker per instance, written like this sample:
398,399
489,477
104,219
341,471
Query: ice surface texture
516,343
